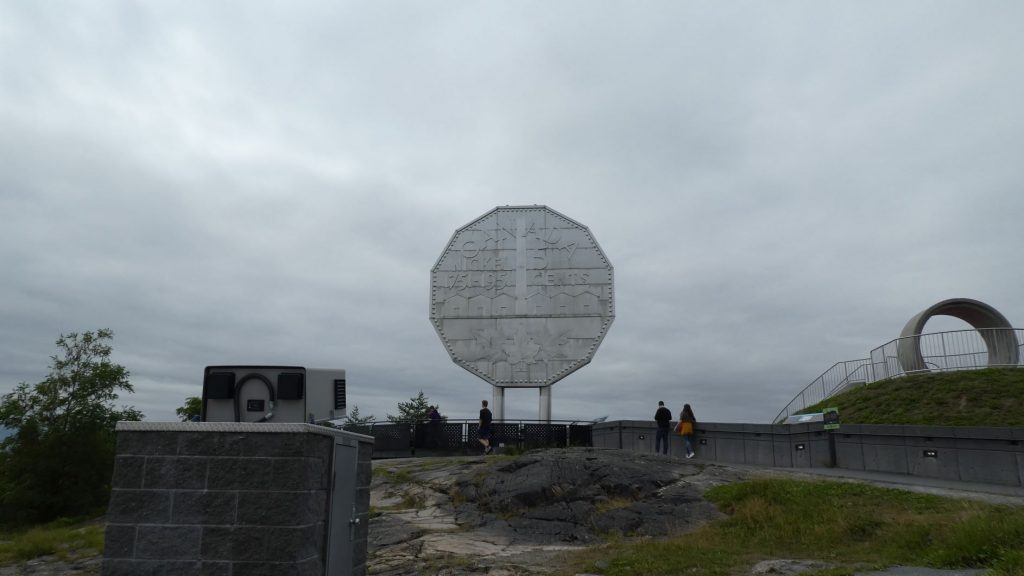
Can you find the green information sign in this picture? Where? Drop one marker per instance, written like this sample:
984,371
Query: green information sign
830,417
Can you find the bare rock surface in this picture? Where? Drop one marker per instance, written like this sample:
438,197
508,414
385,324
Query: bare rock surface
53,566
503,516
499,515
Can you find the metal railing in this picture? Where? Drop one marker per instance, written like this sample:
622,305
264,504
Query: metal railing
839,376
939,352
947,351
460,436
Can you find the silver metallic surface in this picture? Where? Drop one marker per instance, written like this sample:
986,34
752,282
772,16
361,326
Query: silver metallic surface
522,296
545,404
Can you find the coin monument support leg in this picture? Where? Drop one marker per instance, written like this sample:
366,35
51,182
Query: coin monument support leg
498,403
545,403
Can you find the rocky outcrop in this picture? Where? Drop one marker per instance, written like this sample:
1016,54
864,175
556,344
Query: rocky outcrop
503,515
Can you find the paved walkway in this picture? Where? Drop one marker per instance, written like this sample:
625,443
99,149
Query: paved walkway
993,493
919,571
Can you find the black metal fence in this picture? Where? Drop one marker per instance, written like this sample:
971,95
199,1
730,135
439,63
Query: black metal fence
399,439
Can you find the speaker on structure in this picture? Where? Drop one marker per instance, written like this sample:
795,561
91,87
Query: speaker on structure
290,385
219,385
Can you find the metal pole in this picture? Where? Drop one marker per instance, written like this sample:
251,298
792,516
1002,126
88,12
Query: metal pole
498,403
545,404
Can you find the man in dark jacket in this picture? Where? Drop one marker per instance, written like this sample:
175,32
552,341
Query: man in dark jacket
485,428
663,417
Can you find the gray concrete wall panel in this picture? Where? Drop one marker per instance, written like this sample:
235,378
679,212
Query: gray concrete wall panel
933,462
887,457
931,451
821,455
782,450
730,450
605,435
985,433
884,449
933,432
677,447
849,452
636,435
759,450
989,466
986,455
802,446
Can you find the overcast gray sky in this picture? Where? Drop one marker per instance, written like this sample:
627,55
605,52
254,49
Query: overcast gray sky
780,186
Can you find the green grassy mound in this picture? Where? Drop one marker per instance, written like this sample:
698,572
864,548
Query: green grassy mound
990,397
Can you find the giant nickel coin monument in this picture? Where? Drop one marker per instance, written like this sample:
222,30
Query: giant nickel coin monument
522,297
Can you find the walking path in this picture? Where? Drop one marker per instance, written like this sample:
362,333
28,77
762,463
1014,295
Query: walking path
991,493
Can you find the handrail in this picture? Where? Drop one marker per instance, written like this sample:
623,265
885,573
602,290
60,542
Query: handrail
940,352
823,386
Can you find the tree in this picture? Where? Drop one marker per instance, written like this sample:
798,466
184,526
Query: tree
61,456
193,407
354,420
416,409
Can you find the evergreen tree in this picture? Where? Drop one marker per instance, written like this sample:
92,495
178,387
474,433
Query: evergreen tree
354,420
417,409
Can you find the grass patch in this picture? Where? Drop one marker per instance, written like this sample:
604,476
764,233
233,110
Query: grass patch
61,538
394,475
848,525
408,502
413,502
613,504
989,397
455,496
442,462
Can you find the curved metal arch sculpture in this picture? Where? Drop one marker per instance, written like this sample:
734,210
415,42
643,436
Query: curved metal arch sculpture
1001,344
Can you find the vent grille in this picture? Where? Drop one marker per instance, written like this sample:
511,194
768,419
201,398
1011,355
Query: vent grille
339,394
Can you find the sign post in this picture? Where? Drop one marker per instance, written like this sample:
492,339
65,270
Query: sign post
830,418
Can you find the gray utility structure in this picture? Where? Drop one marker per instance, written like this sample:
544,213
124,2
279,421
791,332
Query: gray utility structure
992,326
231,498
521,297
272,394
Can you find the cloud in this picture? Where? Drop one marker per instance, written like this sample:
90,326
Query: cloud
778,187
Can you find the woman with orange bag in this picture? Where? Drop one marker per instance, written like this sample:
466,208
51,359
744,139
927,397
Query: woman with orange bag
687,425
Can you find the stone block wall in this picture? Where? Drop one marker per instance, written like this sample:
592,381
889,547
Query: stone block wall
226,499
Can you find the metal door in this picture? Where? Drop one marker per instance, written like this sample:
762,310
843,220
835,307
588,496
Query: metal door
343,520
